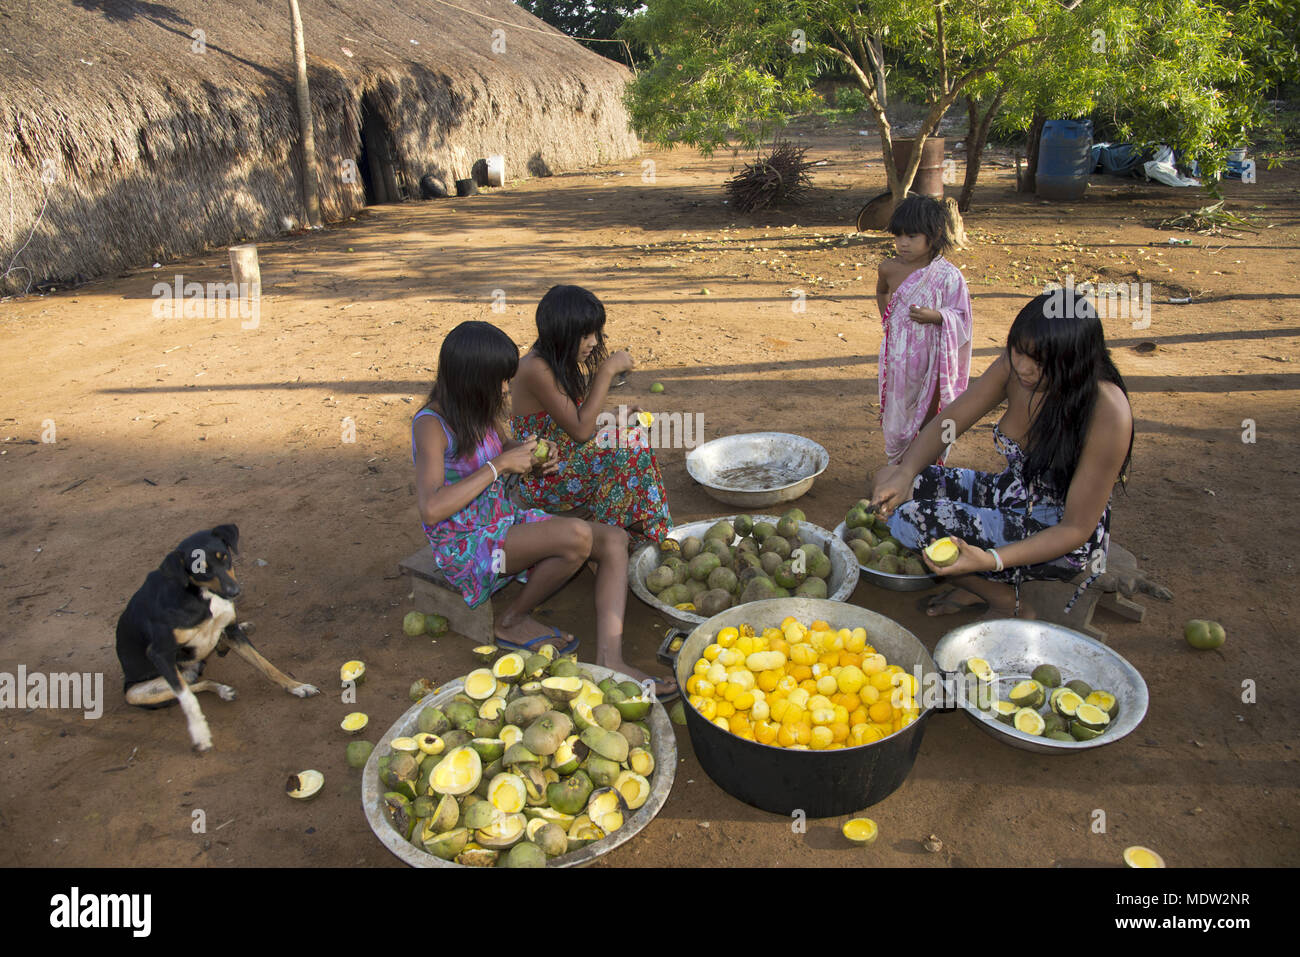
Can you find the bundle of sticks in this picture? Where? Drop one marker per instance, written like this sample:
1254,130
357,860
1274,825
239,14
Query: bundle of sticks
1209,221
780,177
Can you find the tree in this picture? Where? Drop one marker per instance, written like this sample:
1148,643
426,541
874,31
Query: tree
730,68
585,21
1173,71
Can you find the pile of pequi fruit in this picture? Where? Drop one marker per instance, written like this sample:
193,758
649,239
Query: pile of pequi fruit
533,760
739,561
875,548
806,687
1075,711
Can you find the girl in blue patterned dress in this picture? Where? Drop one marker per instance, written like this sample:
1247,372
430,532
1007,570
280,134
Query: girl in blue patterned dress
1067,435
480,540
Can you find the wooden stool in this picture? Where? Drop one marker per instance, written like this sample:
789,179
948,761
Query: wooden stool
1112,590
433,594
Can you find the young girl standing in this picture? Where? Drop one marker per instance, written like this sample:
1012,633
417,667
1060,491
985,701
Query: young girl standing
480,540
557,395
925,309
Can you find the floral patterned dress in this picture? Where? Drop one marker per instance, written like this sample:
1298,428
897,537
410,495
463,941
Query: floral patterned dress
990,510
466,546
618,480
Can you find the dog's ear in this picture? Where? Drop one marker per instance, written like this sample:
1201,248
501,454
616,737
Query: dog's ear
228,534
173,567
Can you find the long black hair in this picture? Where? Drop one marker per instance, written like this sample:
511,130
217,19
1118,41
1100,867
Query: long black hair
565,316
1062,334
475,359
924,216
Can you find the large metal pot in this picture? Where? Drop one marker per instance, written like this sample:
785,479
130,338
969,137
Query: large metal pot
820,783
757,469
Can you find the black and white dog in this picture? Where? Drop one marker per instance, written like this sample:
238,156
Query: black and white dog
182,613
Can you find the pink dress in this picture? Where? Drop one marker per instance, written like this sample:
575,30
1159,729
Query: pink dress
918,357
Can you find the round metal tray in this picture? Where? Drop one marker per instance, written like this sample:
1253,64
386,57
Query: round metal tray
839,586
1014,647
664,749
757,469
885,579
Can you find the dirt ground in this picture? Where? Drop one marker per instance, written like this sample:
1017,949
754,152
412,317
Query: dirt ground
164,426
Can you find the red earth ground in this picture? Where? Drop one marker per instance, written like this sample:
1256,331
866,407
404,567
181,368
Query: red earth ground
163,426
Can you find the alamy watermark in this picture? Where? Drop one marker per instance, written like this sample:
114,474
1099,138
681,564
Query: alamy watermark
79,691
1111,300
656,430
214,300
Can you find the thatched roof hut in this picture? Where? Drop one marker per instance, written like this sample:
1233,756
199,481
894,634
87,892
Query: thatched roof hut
139,131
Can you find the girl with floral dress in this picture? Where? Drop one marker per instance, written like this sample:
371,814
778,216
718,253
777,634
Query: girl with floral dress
557,396
1067,435
480,540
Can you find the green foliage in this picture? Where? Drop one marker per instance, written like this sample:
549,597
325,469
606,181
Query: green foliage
583,19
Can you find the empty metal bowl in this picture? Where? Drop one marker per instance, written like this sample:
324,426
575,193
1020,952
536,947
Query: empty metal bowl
757,469
1014,647
839,586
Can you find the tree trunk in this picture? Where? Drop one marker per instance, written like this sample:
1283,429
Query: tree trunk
976,139
878,53
310,191
1029,183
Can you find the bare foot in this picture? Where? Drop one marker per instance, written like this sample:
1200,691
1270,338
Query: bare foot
954,601
664,687
527,632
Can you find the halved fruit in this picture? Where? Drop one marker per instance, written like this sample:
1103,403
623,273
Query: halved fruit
511,734
860,830
583,829
489,749
409,745
1004,711
353,671
978,667
509,668
1092,717
458,773
1029,721
550,814
480,684
485,653
506,793
1065,702
354,722
491,708
1105,701
448,845
477,856
1138,856
1027,694
634,788
633,709
304,785
561,689
430,743
641,761
1081,732
943,552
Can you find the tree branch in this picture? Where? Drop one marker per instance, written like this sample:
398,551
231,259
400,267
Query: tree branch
943,48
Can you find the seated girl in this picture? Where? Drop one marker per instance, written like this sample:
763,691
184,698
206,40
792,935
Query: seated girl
1067,435
480,540
557,395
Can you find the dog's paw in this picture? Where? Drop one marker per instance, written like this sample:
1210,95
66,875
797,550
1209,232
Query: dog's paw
247,627
304,690
226,693
203,745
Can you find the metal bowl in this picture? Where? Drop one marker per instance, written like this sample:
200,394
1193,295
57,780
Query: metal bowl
757,469
819,783
1015,646
664,746
839,586
885,579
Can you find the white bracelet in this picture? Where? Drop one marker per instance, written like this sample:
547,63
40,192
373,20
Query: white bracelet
496,475
996,557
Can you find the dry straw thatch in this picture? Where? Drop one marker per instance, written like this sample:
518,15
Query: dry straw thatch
121,144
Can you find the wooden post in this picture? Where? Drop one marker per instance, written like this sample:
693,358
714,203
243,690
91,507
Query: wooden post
310,192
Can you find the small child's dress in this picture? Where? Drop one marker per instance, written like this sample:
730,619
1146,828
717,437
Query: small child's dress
468,547
918,357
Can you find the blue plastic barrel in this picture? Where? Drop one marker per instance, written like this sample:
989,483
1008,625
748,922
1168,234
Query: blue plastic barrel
1064,159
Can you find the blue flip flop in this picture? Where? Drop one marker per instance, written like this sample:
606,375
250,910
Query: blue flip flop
555,637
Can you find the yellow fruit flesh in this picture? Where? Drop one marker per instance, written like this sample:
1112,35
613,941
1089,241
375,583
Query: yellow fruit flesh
861,830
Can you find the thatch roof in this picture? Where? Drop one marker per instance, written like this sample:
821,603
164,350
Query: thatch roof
139,148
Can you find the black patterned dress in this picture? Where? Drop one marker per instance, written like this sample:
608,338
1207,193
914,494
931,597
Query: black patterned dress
989,510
